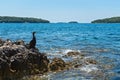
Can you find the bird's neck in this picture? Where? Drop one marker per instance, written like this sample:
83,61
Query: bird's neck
34,36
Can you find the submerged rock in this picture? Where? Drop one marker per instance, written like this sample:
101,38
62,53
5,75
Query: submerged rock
57,64
90,61
74,53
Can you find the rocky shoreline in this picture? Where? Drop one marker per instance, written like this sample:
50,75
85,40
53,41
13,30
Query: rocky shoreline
18,61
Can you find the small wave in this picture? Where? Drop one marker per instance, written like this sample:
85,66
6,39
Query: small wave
62,52
89,68
70,50
70,75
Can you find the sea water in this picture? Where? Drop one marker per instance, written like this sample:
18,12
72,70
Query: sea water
99,41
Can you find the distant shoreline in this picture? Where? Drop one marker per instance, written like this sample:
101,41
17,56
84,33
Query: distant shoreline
12,19
107,20
58,23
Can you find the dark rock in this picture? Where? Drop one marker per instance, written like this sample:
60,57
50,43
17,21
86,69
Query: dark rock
44,61
1,42
4,69
57,64
16,61
90,61
8,51
78,65
73,53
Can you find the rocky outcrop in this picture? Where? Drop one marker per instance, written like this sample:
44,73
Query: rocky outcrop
73,53
17,60
57,64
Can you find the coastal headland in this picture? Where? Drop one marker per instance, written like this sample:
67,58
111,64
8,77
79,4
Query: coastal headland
107,20
12,19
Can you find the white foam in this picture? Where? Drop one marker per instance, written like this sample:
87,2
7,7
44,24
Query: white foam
70,50
89,68
54,54
88,57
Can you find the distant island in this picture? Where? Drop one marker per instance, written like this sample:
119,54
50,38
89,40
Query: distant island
73,22
107,20
10,19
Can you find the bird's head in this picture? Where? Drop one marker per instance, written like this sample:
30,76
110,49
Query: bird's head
33,32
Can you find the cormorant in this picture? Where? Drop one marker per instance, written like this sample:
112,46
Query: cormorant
33,41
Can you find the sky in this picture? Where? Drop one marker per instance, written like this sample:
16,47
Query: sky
83,11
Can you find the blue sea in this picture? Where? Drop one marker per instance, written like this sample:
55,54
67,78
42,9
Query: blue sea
98,41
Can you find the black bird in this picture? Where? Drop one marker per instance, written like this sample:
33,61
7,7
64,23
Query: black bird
33,41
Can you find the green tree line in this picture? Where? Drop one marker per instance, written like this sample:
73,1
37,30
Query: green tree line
108,20
9,19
